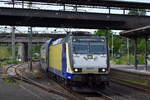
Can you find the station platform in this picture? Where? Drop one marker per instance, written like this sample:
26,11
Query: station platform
131,68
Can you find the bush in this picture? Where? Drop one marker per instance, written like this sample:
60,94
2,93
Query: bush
8,62
124,60
4,53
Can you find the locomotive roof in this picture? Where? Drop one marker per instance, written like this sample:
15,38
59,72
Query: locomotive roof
69,38
80,33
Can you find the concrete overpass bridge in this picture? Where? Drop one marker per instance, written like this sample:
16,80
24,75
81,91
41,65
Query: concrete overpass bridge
24,38
23,41
68,19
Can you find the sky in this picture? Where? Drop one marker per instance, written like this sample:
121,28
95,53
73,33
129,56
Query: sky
43,30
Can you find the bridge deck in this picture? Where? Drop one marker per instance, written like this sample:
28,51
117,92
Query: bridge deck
49,18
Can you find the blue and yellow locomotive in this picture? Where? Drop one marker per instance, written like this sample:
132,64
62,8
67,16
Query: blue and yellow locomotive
77,60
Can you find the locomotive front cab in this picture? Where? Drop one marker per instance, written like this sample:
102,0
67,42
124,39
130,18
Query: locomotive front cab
89,60
89,55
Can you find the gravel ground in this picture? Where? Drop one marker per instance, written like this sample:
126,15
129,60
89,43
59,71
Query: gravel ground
43,95
13,91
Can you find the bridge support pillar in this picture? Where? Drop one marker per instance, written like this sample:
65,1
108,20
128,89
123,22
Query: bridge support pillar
23,52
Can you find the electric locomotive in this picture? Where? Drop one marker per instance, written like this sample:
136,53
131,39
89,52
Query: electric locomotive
77,60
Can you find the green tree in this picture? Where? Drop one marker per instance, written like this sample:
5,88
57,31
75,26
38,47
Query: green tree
106,33
117,43
36,48
116,39
102,32
141,46
140,12
4,53
141,43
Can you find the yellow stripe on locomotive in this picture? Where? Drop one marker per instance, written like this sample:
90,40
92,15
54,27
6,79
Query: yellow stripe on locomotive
55,57
69,69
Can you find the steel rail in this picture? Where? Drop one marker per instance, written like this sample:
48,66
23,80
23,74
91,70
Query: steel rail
72,92
136,86
104,96
118,93
82,97
41,86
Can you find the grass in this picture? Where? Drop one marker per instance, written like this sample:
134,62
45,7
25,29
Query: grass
8,62
4,53
140,82
124,60
7,79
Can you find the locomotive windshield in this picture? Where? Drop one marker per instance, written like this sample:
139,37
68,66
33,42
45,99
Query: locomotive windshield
97,48
89,48
81,47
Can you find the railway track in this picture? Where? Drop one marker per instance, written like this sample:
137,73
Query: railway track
136,86
16,70
98,95
70,95
111,93
47,89
104,96
72,92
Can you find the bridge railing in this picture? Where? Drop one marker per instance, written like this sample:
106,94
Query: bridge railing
68,7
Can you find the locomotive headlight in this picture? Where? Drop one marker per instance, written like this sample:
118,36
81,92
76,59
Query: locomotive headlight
103,70
76,70
74,40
